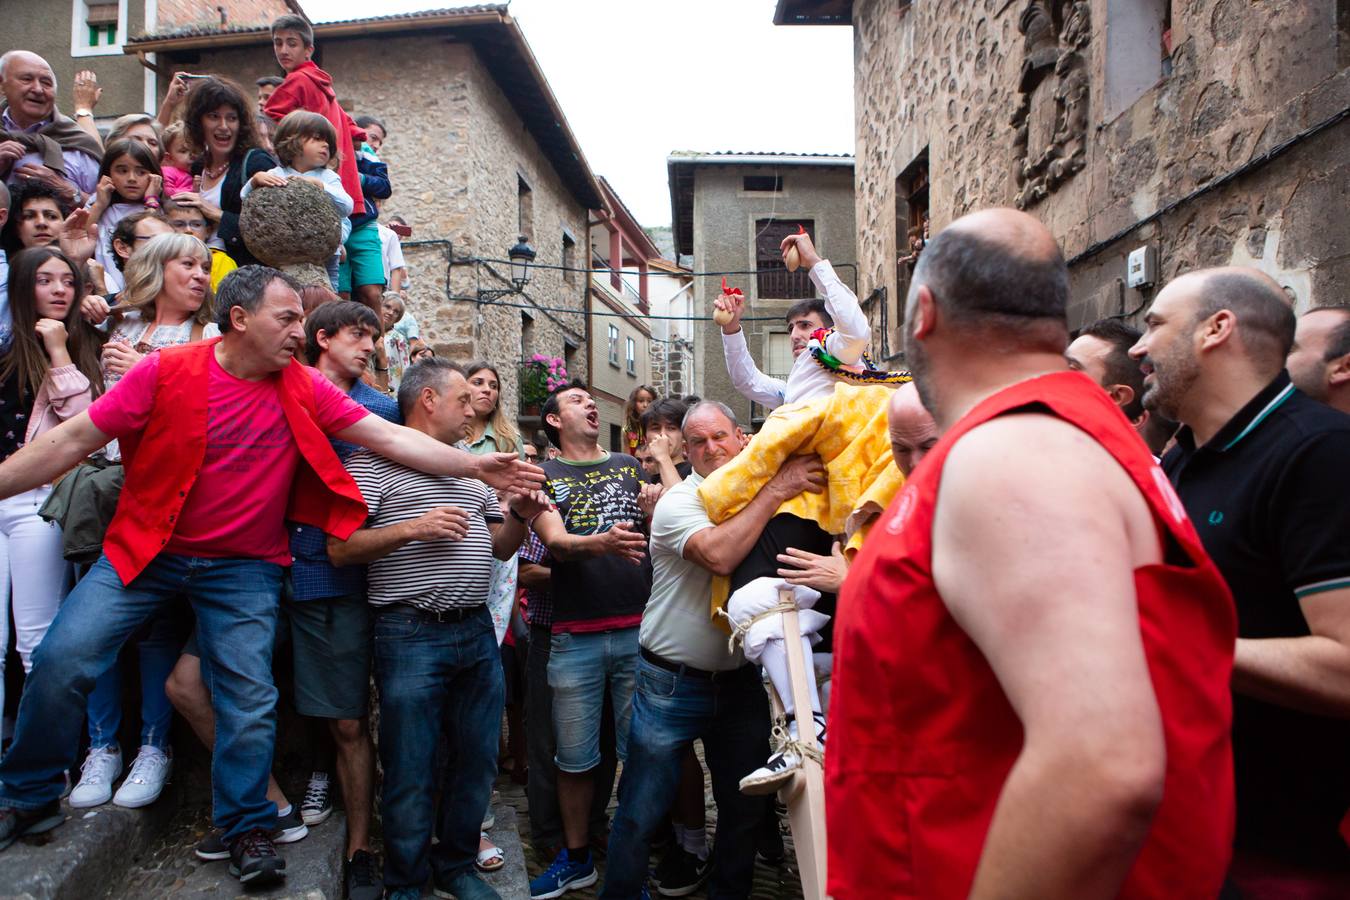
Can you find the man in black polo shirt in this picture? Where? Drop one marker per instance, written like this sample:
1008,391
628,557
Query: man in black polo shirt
1262,471
600,581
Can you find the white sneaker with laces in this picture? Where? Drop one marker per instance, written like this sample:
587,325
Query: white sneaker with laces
101,768
149,771
786,759
318,803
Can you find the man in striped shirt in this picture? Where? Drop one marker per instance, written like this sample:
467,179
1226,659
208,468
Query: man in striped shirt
429,545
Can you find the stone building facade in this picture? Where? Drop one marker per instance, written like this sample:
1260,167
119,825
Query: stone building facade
729,213
1207,131
478,154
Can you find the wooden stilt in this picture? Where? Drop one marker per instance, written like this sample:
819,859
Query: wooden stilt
804,795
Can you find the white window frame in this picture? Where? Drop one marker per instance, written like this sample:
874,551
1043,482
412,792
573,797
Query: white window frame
630,356
614,346
79,31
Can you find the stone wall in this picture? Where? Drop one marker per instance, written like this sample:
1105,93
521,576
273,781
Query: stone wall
455,150
1243,79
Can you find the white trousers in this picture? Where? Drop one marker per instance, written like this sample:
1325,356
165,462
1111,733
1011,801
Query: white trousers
34,577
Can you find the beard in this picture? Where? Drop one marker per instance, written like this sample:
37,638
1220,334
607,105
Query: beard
1175,372
916,357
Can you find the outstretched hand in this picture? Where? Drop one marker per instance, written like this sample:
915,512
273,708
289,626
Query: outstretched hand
509,473
625,541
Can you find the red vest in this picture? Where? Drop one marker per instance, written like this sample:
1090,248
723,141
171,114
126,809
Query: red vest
162,462
922,736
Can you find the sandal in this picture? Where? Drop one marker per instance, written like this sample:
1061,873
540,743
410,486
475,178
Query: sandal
490,857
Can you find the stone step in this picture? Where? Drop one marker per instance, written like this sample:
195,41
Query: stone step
78,859
511,880
313,867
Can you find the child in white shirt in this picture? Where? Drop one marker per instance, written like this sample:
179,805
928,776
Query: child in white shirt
306,144
129,181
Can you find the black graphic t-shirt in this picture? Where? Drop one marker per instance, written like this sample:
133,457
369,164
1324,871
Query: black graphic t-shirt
600,593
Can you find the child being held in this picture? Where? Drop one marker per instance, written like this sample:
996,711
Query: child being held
176,163
306,144
129,181
189,220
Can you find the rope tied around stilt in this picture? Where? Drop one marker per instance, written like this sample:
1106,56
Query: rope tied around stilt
784,741
740,629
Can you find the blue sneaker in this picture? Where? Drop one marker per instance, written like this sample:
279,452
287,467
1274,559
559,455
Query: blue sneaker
566,874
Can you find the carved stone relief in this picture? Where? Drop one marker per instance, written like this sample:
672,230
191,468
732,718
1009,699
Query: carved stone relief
1051,118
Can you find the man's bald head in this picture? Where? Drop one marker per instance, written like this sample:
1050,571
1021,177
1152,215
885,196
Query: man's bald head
996,267
912,429
29,87
23,56
1264,314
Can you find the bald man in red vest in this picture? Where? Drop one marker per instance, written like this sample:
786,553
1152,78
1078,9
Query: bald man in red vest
1032,651
223,440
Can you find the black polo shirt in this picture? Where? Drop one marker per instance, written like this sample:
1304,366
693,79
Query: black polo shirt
1270,497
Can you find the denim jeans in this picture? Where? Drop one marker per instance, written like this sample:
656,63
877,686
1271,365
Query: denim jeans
236,603
580,668
542,790
731,716
158,651
432,674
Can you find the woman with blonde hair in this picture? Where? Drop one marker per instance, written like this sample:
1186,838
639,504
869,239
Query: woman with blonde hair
166,302
492,430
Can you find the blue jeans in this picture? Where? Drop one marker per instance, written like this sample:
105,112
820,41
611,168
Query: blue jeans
432,675
158,651
236,603
731,716
580,667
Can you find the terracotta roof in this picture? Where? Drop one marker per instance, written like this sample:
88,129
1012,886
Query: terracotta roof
494,34
680,166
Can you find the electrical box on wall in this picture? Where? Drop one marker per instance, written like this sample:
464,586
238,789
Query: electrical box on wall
1141,267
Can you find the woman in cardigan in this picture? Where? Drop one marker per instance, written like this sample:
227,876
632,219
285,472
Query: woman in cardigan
220,126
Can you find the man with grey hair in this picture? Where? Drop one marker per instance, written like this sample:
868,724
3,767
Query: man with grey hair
429,544
690,685
223,440
37,143
1261,468
1319,363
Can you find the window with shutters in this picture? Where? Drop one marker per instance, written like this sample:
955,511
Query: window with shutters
97,27
773,280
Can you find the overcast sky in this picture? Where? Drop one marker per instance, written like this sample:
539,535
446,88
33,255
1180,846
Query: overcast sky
640,78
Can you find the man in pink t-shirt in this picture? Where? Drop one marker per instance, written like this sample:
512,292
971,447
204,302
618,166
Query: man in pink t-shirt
226,553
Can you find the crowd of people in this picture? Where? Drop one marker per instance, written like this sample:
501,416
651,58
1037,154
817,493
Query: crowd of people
1113,660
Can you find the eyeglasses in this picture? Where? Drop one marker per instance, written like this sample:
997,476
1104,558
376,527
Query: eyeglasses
137,238
181,225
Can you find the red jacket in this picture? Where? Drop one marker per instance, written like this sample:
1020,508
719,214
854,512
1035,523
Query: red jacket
162,461
311,88
922,736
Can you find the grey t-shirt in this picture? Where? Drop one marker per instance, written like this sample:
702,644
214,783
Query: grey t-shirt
676,623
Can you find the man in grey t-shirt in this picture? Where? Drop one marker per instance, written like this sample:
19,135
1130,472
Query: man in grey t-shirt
689,684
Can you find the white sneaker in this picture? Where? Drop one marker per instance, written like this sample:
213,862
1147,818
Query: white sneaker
318,803
101,768
149,771
785,761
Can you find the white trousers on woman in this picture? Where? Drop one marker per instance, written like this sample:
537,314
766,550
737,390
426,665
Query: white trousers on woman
34,576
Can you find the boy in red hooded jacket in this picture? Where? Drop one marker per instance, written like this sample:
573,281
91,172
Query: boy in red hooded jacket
311,88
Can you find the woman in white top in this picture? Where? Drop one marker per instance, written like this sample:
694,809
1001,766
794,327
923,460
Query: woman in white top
166,302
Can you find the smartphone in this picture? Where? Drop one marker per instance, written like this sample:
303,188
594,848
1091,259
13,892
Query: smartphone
189,77
401,230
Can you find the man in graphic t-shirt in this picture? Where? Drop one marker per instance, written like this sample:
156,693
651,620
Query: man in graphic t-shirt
600,582
222,440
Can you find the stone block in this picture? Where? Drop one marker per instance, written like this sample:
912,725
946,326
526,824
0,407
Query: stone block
291,225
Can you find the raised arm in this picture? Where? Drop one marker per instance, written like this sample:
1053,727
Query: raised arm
852,333
1053,609
50,454
412,448
721,548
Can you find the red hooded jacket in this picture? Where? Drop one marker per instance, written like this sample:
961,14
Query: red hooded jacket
311,88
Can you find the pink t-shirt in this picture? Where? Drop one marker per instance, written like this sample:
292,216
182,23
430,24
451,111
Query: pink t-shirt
237,506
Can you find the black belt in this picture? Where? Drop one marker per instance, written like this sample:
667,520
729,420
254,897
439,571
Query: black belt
456,614
681,669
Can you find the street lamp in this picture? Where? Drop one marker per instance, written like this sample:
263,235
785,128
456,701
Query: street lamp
521,255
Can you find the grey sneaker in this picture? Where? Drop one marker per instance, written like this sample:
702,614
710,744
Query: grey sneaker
289,830
318,803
